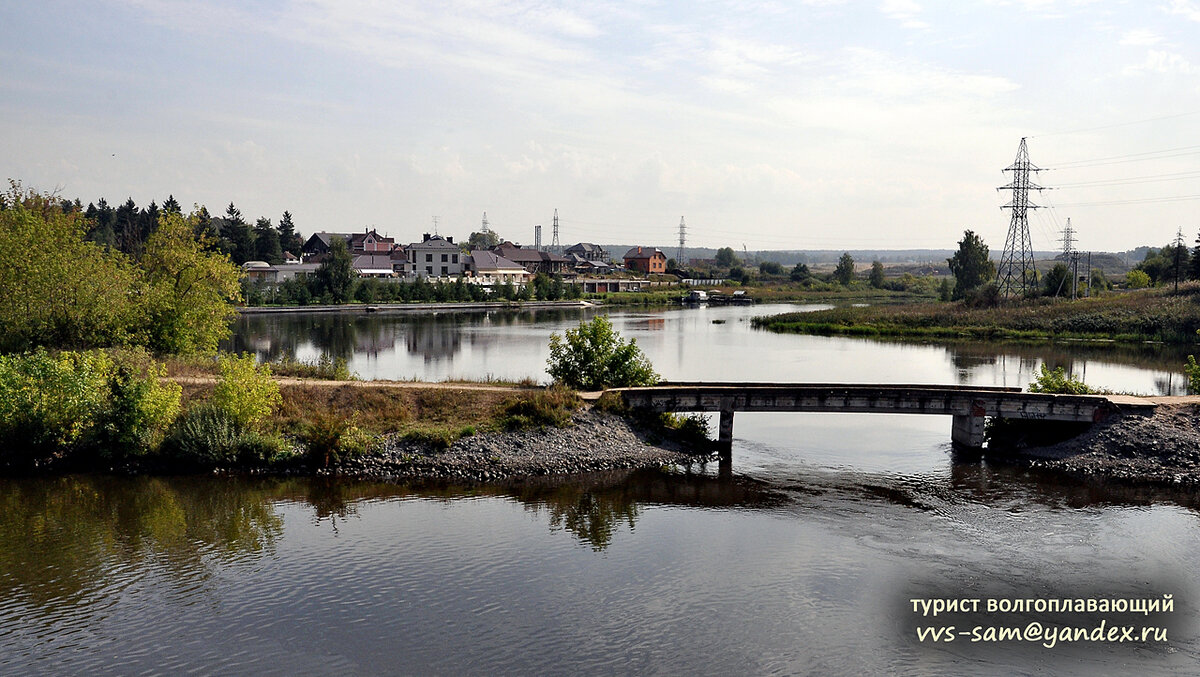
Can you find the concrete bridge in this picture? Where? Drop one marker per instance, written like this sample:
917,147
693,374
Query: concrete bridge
969,406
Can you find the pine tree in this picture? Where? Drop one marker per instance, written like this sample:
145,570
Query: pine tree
1194,263
266,242
238,237
289,239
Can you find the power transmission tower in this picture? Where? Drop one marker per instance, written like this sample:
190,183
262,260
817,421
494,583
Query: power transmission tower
435,221
554,245
537,237
484,227
1071,257
682,240
1178,255
1017,274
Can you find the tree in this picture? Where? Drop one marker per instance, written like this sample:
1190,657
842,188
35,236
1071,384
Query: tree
289,239
336,276
238,236
190,289
172,206
844,272
267,242
58,289
479,240
800,273
876,275
1057,281
770,268
970,264
1137,279
593,357
726,258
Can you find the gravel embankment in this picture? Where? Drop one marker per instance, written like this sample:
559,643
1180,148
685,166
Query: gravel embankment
1163,448
596,441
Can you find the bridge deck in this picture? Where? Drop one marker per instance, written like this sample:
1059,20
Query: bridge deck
969,405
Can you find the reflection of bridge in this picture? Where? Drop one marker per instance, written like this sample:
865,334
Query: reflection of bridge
968,405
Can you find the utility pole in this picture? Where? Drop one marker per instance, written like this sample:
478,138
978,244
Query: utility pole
682,240
1017,274
554,245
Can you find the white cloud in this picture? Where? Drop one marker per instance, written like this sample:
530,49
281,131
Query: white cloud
1141,38
1185,8
1158,61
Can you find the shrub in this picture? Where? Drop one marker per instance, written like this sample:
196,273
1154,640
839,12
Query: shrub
1137,279
438,438
245,390
139,408
207,436
51,402
592,357
330,439
552,407
52,406
1193,372
1057,382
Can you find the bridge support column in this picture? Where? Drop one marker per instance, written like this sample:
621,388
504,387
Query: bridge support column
725,431
967,429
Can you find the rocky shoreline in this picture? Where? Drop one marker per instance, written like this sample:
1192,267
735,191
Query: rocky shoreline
1160,449
595,441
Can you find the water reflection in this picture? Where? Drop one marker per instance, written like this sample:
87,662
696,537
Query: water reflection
688,344
61,538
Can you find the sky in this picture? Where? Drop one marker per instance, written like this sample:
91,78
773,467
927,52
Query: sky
810,124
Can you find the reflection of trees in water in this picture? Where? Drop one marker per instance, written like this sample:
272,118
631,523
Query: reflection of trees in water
1073,357
60,537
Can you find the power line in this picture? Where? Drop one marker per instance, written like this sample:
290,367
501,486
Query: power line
1151,178
1107,203
1130,157
1119,124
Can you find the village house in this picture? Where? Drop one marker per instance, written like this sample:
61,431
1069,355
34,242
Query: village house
588,251
434,256
373,265
533,260
646,260
488,269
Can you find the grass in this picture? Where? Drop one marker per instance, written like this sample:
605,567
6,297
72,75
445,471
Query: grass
1144,315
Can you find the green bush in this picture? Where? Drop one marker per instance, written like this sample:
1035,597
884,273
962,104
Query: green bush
330,439
54,406
592,357
245,390
140,406
209,436
1193,372
325,368
50,402
1057,382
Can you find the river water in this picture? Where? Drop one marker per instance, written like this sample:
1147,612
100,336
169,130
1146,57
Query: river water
803,562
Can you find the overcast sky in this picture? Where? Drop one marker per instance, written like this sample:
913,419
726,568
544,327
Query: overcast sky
777,125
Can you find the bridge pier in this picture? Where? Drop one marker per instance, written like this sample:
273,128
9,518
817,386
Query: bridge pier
725,431
967,429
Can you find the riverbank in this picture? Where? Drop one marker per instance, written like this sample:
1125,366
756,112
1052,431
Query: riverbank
1163,448
1137,316
593,441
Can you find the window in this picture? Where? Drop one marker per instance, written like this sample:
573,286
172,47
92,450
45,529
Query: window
429,270
444,271
443,258
454,258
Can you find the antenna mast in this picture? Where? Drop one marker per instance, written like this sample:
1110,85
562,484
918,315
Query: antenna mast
537,237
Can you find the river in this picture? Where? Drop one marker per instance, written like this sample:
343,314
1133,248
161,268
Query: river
803,563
